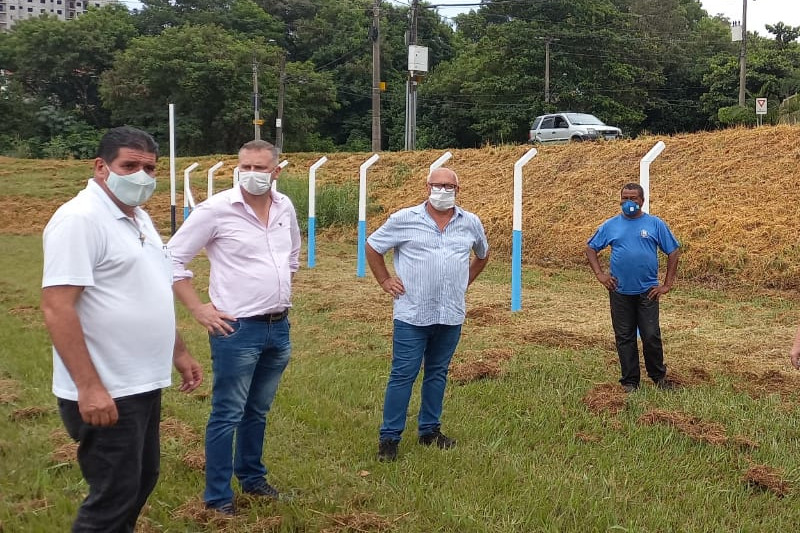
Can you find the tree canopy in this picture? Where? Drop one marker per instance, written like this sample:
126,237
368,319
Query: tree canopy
661,66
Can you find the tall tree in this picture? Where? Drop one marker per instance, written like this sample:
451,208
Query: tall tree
206,71
784,34
61,62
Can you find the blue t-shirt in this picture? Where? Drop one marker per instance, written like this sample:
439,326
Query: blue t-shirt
634,243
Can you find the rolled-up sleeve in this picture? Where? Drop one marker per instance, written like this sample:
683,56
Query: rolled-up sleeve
193,235
294,257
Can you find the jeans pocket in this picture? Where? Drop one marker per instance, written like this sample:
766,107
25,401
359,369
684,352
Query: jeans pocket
71,417
235,324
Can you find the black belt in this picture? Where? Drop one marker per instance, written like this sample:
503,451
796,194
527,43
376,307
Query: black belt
269,317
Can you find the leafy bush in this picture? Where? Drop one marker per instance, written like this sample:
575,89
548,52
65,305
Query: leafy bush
736,115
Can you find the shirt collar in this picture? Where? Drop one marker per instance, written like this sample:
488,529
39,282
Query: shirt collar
237,198
421,210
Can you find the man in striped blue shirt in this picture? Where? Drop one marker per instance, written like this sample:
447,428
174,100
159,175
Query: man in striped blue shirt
433,263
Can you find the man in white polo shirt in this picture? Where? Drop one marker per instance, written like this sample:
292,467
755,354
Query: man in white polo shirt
108,305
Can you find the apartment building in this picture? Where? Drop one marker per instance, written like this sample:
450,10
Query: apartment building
12,11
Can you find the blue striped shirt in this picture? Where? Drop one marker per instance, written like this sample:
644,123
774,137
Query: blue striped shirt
432,264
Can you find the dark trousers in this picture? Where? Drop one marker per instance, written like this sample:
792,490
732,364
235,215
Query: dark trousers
629,313
120,463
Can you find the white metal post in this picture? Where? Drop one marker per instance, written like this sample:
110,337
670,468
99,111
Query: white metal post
362,215
439,162
172,167
211,178
516,235
187,190
644,172
281,165
312,211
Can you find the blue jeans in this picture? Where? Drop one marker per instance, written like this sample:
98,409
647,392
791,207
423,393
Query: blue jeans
247,365
629,313
120,463
411,345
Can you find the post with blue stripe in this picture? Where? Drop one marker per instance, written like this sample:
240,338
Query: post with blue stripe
516,241
362,215
312,211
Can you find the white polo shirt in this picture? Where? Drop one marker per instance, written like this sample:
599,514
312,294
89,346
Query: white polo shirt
126,308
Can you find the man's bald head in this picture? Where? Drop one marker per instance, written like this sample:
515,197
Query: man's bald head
443,175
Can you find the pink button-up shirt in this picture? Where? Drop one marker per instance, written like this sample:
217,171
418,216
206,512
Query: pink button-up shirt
251,263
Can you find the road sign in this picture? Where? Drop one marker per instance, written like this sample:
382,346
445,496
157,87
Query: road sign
258,122
761,106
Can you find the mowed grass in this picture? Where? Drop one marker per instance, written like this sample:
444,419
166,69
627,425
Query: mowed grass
545,440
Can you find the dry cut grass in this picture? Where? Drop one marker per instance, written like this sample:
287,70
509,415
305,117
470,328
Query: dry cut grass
710,188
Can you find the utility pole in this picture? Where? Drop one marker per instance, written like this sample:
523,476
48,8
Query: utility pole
743,55
547,42
256,120
281,93
411,85
376,77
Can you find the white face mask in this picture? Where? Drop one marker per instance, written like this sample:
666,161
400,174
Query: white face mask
131,189
442,200
256,183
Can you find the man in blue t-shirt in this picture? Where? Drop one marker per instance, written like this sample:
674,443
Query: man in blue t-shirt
635,238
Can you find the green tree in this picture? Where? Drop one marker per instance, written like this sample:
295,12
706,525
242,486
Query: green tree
784,34
61,62
206,71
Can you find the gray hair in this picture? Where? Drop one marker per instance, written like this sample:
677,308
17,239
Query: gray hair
259,145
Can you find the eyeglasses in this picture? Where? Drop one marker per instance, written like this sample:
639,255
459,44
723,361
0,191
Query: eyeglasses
439,187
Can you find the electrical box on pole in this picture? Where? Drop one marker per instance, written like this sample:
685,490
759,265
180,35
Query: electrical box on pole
736,32
417,58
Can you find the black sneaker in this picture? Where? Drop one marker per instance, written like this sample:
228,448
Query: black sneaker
665,384
387,450
226,509
442,441
629,388
265,490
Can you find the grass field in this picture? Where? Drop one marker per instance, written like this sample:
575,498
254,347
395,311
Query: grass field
546,440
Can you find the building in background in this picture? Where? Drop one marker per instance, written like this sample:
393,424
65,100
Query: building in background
12,11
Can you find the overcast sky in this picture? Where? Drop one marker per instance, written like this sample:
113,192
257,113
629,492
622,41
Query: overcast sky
759,12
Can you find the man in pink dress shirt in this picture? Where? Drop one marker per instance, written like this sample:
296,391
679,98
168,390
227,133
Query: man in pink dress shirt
252,240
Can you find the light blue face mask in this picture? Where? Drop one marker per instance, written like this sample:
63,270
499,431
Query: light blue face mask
630,208
131,189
